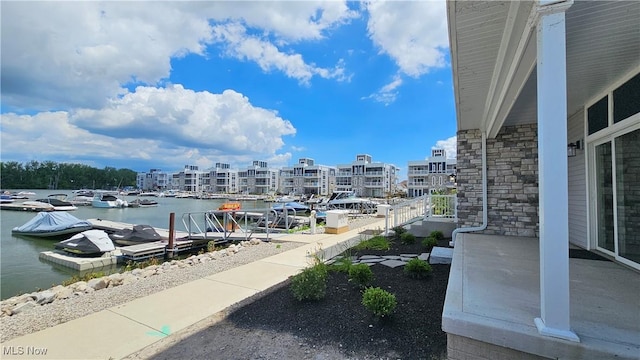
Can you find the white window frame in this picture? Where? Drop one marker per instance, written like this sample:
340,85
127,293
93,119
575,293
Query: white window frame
612,131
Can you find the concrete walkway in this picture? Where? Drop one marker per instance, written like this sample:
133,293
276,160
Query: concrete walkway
119,331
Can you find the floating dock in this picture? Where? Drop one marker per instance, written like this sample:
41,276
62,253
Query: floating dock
80,263
183,241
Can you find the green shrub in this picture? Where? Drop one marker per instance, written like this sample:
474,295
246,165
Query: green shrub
437,234
377,242
211,246
380,302
342,265
429,241
310,284
407,238
398,231
361,274
86,277
417,268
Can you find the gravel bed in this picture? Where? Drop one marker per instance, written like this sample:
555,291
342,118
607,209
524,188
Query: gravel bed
60,311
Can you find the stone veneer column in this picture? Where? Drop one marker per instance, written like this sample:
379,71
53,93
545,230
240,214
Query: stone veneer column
512,180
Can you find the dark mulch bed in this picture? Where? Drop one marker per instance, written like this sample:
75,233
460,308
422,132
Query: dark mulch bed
412,332
274,326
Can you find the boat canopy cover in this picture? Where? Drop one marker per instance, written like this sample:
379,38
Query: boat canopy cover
289,206
52,221
90,242
139,233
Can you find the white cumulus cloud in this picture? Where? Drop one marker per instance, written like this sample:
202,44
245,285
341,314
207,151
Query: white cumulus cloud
388,93
173,123
450,146
60,55
413,33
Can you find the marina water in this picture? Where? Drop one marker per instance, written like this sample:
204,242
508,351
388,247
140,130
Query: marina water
22,271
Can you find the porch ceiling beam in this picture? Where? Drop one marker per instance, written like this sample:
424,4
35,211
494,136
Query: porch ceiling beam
515,61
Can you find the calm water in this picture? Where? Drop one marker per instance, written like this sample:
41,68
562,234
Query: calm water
22,271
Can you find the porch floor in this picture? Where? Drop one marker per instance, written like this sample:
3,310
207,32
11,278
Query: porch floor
493,296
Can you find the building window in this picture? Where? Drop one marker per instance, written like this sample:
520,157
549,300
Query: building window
597,115
626,99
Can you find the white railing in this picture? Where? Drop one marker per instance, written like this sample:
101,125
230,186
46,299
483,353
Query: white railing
426,207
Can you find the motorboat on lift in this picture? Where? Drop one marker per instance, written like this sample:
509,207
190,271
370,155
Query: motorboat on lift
348,200
82,198
292,205
107,200
87,243
53,223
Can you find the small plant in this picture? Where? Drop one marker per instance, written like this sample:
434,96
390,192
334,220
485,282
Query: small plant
398,231
429,241
278,246
377,242
342,265
130,265
437,234
85,277
361,274
417,269
380,302
407,238
310,284
211,246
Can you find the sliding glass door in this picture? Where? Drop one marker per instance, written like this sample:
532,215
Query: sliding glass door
627,167
617,196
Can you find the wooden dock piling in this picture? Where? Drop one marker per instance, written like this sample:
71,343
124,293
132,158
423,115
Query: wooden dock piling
172,234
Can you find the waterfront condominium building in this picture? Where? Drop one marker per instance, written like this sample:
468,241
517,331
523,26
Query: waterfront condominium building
155,179
189,179
220,179
367,178
436,173
258,179
306,178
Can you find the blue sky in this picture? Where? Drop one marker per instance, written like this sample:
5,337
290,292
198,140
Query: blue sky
144,85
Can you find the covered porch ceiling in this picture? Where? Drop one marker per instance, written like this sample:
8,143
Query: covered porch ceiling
493,46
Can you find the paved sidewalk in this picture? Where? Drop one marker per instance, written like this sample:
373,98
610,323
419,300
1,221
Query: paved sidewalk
119,331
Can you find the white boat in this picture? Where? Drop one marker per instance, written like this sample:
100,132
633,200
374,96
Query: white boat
59,202
107,200
348,200
32,205
82,198
148,193
142,203
47,224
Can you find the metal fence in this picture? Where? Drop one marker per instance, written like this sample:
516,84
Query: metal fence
426,207
220,225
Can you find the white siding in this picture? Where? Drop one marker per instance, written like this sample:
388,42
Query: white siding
577,183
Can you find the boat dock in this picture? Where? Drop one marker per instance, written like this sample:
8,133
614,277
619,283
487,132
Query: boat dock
80,263
183,241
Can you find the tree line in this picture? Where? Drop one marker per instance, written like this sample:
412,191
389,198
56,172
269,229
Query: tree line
64,176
